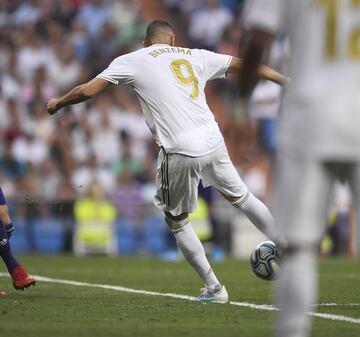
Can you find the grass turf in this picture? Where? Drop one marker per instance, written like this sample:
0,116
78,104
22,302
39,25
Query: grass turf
64,310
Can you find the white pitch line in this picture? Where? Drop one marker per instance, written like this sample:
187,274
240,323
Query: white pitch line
335,317
337,305
266,307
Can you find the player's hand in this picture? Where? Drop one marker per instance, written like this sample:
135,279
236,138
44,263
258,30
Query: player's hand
9,230
52,106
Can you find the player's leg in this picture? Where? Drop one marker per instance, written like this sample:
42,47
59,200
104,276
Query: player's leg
222,174
177,185
5,249
302,192
192,249
207,194
2,202
354,180
19,276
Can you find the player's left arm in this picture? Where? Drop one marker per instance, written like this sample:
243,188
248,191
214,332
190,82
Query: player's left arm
263,71
78,94
271,74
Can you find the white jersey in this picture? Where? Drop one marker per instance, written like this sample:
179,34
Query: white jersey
321,110
170,82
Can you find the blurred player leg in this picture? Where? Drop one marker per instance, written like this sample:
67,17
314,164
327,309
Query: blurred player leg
354,180
18,274
302,190
5,249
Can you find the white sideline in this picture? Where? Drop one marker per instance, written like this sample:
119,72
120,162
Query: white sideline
191,298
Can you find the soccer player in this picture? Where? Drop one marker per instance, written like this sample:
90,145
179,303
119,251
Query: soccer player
319,138
169,82
20,278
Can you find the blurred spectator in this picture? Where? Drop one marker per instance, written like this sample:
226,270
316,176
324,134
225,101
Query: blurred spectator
128,197
127,162
184,6
107,43
17,121
255,172
80,41
94,14
64,210
124,14
27,12
33,53
95,217
38,87
229,44
88,172
41,126
29,149
131,120
265,106
49,180
207,24
11,168
338,231
104,132
9,84
63,68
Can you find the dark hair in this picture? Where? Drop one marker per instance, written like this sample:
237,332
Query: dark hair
157,27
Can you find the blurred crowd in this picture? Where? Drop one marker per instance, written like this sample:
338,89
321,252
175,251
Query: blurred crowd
48,46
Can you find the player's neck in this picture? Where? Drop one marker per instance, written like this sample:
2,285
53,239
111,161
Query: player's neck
156,43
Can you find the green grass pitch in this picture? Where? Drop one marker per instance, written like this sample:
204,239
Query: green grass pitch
52,310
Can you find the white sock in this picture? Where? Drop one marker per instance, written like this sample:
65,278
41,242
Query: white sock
191,247
260,216
295,291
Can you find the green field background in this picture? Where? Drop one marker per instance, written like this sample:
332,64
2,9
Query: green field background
53,310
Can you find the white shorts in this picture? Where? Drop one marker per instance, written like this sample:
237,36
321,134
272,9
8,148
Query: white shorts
178,177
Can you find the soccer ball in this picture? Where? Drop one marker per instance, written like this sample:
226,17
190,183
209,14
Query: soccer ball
264,261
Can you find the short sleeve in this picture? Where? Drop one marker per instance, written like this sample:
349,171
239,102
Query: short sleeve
216,65
264,14
120,71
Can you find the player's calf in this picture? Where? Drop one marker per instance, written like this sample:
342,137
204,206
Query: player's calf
257,212
192,249
5,250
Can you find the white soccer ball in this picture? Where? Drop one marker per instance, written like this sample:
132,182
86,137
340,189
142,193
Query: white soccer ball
265,260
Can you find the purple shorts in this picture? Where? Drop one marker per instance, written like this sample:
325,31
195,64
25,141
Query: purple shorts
2,198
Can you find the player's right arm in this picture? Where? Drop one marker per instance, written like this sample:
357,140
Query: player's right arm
78,94
119,71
